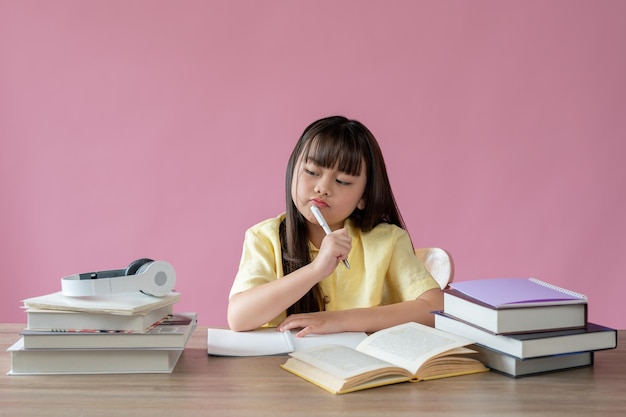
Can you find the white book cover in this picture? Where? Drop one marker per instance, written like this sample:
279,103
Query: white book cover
122,303
63,320
90,361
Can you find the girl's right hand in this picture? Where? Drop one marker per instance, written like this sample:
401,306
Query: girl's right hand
335,247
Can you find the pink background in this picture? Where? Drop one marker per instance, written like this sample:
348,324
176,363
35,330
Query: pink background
162,129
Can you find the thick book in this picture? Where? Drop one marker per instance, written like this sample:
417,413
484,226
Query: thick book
60,320
123,303
90,361
515,367
530,345
515,305
269,341
407,352
171,332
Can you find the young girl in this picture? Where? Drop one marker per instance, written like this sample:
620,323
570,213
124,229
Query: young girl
292,274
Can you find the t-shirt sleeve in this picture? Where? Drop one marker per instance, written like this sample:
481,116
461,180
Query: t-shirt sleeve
258,263
407,277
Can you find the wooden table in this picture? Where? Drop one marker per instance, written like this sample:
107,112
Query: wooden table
217,386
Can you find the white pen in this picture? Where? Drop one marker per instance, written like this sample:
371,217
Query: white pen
322,221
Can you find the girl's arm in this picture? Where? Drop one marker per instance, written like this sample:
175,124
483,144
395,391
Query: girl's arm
367,319
253,308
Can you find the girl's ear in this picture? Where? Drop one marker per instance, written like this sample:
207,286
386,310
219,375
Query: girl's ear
361,204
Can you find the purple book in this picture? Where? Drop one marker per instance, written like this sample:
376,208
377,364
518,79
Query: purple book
517,292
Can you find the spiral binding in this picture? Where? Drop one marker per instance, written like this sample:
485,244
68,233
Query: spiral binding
556,288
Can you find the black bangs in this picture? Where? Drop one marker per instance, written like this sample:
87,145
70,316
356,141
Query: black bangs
340,151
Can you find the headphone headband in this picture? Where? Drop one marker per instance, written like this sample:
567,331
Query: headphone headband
155,278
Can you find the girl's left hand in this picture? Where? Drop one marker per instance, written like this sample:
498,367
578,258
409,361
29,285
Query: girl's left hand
321,322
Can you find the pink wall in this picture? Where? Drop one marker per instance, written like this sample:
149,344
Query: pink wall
162,129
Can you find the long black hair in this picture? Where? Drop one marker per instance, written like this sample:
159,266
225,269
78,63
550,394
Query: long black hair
344,144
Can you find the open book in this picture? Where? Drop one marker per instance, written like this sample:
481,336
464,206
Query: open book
407,352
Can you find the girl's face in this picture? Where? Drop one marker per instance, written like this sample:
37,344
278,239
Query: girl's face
336,193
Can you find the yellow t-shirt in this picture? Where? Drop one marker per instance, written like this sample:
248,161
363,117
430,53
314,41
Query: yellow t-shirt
383,267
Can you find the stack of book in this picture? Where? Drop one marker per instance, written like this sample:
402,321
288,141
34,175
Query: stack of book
123,333
523,326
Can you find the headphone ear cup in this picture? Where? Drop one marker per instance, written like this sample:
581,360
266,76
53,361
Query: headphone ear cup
157,278
134,266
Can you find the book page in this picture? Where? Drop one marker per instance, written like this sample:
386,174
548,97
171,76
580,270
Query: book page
341,361
350,339
409,345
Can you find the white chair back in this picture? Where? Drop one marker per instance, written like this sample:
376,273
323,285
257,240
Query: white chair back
439,263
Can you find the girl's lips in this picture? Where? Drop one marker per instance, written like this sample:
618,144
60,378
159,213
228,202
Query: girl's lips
319,203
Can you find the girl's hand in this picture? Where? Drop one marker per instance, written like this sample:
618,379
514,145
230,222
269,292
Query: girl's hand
321,322
334,248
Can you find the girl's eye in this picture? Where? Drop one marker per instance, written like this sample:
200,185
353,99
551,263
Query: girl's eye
309,172
340,182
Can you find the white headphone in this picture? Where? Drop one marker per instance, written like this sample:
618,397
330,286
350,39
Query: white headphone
155,278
